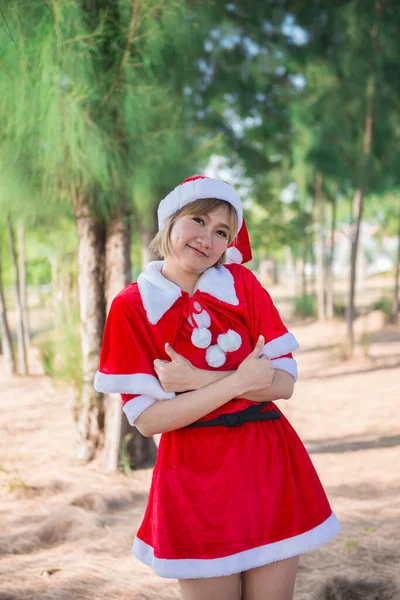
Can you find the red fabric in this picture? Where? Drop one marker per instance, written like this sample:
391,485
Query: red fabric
242,243
131,343
193,178
216,491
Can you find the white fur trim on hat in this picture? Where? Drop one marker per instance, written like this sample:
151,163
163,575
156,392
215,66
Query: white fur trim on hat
198,189
215,357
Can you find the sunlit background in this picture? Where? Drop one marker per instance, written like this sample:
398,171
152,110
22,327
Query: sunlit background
104,108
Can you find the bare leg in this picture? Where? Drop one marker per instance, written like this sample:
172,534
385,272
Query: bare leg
270,582
213,588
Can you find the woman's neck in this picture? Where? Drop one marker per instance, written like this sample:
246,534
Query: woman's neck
182,278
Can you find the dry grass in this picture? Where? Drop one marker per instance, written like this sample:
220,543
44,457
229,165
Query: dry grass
66,529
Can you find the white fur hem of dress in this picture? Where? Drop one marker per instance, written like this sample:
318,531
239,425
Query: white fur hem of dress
242,561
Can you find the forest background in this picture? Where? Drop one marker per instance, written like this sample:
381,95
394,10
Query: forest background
106,106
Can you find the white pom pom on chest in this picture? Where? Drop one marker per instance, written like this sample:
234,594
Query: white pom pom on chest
229,341
201,337
215,357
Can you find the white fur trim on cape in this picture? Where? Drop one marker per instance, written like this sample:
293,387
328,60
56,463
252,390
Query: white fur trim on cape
233,255
281,345
218,283
286,364
229,341
215,357
198,189
134,408
194,568
201,337
159,294
137,383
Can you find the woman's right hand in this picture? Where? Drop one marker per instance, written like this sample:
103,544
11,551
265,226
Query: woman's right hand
255,372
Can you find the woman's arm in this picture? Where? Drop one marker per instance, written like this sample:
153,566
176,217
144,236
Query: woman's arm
253,374
179,375
282,385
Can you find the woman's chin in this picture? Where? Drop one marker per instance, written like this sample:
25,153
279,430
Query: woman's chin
195,266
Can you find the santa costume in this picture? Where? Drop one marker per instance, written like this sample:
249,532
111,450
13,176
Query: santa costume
237,490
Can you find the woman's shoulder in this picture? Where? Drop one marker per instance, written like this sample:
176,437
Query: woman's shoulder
128,297
240,273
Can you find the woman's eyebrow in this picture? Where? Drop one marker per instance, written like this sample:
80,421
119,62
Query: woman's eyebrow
224,225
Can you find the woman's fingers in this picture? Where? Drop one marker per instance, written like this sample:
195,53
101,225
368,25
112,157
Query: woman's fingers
258,347
171,352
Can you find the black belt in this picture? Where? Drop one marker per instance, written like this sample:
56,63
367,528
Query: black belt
244,416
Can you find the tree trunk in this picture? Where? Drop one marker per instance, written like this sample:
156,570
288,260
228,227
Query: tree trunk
142,451
92,311
357,209
319,247
22,282
9,360
117,276
22,359
290,270
145,238
396,299
147,229
304,288
329,268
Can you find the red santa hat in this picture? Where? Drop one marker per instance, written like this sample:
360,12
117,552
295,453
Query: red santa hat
200,187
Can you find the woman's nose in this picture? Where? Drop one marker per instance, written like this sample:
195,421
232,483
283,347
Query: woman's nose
205,240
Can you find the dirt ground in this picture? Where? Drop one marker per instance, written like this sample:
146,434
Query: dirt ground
66,530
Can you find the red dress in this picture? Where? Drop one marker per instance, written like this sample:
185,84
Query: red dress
222,499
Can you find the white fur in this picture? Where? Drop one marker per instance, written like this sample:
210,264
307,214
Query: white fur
233,255
281,345
220,284
199,189
194,568
201,337
137,383
202,319
229,341
215,357
134,408
159,294
286,364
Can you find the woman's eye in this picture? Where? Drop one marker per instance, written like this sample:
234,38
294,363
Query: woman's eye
198,220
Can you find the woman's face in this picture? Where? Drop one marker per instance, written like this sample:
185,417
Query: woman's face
197,242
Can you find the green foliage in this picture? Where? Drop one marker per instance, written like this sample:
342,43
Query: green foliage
60,353
119,104
305,306
125,457
385,304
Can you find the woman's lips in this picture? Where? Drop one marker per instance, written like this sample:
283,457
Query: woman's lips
198,252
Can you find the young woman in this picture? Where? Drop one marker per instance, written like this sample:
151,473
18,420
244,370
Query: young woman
199,352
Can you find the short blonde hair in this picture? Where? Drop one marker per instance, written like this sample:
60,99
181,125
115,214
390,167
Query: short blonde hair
160,243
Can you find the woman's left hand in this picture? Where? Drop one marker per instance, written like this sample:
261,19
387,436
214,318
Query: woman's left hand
177,375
